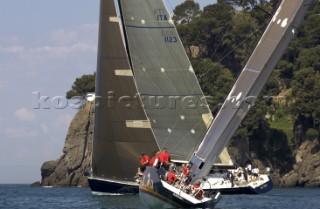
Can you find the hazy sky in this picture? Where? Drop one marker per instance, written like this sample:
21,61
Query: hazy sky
44,46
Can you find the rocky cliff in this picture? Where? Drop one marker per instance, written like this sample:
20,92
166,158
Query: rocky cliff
306,172
73,166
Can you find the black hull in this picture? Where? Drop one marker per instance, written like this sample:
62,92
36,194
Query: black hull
154,193
266,187
101,186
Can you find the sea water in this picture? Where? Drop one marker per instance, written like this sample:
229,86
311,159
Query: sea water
27,197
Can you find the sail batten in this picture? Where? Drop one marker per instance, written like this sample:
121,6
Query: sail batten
114,19
123,72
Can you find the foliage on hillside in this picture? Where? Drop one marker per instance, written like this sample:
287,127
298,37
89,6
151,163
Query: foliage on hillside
81,86
287,111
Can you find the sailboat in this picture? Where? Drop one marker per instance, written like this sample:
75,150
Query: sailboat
147,95
113,89
154,191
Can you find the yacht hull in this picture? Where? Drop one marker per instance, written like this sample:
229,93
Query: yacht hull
155,193
105,186
266,187
98,186
258,187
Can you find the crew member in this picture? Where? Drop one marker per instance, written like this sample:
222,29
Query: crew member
172,177
164,158
154,162
144,161
197,191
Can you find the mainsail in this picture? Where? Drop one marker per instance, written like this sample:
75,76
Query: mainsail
267,53
171,95
122,130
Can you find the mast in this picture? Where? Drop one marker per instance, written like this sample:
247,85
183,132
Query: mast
264,58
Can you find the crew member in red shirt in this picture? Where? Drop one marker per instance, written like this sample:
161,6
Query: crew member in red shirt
197,191
144,161
164,158
154,160
172,177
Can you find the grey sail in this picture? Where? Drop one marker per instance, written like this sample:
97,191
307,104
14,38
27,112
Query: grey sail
166,82
268,51
122,130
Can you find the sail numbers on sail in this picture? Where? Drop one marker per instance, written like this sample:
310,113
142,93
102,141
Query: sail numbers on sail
169,36
161,15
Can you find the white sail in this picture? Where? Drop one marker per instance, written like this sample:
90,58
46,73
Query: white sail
267,53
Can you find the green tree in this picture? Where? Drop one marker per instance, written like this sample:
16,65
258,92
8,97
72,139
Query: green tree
199,33
306,91
82,85
218,39
312,134
309,58
284,71
311,28
215,80
245,29
222,11
186,12
245,4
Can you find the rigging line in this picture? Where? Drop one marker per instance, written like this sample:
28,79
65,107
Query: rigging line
241,43
263,10
188,133
215,51
125,35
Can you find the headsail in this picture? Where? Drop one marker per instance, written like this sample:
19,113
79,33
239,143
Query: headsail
122,130
267,53
173,101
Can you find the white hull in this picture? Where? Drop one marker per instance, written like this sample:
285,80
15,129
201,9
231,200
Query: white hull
261,184
157,193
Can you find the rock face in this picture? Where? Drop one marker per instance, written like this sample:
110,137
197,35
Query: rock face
73,166
306,172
